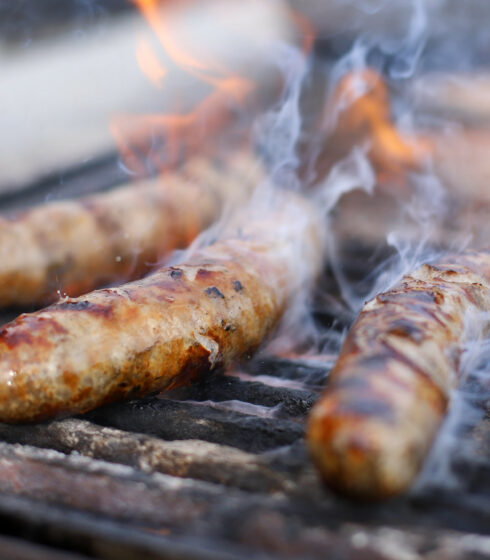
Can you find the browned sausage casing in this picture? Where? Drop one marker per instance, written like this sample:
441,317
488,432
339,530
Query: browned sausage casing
164,330
71,247
389,389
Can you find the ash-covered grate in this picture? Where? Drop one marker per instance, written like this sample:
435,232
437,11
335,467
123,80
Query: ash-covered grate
220,470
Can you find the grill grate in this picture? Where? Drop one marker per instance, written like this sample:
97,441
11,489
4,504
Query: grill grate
186,477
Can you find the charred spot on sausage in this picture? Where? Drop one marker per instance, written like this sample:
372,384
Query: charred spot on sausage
83,305
176,273
406,329
73,305
214,292
237,286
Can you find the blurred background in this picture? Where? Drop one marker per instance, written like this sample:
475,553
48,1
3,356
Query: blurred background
71,68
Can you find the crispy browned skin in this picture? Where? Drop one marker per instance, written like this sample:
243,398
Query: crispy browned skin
164,330
71,247
389,390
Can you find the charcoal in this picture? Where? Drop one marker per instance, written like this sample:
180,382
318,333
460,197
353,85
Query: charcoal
253,529
102,537
24,550
290,459
449,507
296,370
293,402
473,474
114,490
407,543
174,420
190,459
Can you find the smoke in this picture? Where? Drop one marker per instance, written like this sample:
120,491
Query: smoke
278,131
409,232
415,230
391,36
406,50
278,135
27,22
456,445
395,52
426,208
353,172
413,234
275,135
241,407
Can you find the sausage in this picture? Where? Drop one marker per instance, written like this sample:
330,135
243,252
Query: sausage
73,246
164,330
389,390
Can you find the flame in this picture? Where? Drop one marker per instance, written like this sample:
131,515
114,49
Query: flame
155,15
149,63
163,140
306,29
362,106
159,141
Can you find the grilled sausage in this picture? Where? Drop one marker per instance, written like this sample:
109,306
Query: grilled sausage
164,330
71,247
389,389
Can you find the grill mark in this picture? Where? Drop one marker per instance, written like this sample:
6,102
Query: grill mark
405,328
96,309
469,293
389,373
410,306
166,287
398,356
356,396
371,364
367,406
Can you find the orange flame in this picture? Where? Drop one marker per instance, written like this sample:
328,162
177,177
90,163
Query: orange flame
149,63
161,140
305,28
362,103
153,13
180,134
